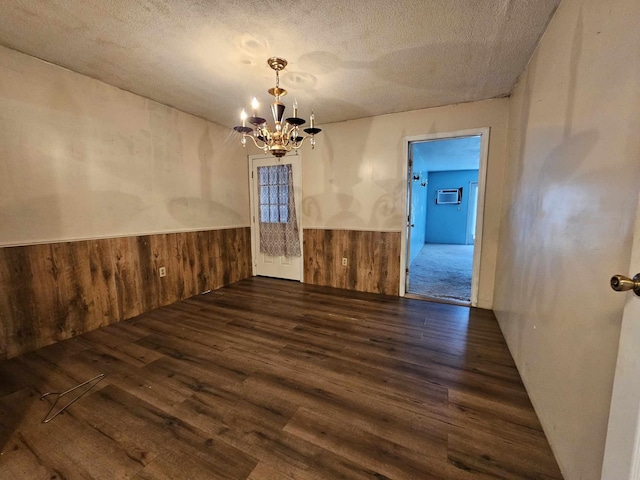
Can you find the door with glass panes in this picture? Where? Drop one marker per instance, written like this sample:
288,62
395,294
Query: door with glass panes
276,197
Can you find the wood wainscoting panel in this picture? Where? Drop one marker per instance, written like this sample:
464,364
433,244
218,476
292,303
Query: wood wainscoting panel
126,271
55,291
373,260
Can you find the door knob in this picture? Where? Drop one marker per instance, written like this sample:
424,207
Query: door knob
620,283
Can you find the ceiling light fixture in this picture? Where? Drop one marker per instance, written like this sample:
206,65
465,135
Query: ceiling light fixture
284,136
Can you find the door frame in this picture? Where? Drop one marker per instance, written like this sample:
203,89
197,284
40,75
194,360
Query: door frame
297,188
483,132
469,208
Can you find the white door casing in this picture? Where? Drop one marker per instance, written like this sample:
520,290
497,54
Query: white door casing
404,254
622,450
482,175
262,264
472,211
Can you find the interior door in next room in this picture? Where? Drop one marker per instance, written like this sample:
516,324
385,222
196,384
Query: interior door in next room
275,212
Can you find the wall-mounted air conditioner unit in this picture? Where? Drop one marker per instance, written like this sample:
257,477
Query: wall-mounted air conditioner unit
449,196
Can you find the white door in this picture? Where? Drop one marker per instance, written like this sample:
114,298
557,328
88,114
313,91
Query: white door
622,451
263,264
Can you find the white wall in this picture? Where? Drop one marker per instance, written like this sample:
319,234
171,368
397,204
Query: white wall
82,159
573,174
354,179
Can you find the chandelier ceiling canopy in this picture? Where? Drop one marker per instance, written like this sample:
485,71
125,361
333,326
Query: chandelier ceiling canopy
283,136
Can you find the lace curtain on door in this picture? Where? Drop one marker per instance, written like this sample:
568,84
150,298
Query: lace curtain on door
278,225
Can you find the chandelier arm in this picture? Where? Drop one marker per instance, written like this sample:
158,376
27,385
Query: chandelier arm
288,144
266,134
253,139
297,145
286,131
292,135
302,141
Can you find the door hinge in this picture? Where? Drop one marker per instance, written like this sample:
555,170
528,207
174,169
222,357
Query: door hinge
407,271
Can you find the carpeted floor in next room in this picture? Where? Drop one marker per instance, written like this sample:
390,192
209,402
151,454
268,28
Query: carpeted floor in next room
442,272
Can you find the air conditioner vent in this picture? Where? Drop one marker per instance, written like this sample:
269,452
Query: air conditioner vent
449,196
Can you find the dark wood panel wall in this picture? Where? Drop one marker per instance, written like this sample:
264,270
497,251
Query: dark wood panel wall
373,260
55,291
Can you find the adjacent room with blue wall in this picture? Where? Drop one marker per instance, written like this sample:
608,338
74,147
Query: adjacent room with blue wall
442,232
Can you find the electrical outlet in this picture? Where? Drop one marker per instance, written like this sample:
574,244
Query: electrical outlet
344,261
162,271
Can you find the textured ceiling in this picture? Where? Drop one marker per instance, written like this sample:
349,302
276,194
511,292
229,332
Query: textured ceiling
347,58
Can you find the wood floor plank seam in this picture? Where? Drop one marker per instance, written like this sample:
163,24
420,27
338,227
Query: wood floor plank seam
268,379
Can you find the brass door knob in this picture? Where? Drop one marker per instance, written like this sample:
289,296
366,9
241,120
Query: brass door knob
620,283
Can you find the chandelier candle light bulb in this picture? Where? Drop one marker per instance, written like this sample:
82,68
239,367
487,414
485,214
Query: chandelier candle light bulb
284,136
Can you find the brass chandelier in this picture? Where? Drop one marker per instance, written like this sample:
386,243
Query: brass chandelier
283,137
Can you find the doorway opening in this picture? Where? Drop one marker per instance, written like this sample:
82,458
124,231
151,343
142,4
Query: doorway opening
445,185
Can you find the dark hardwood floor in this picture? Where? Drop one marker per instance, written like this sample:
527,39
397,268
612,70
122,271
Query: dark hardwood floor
270,379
